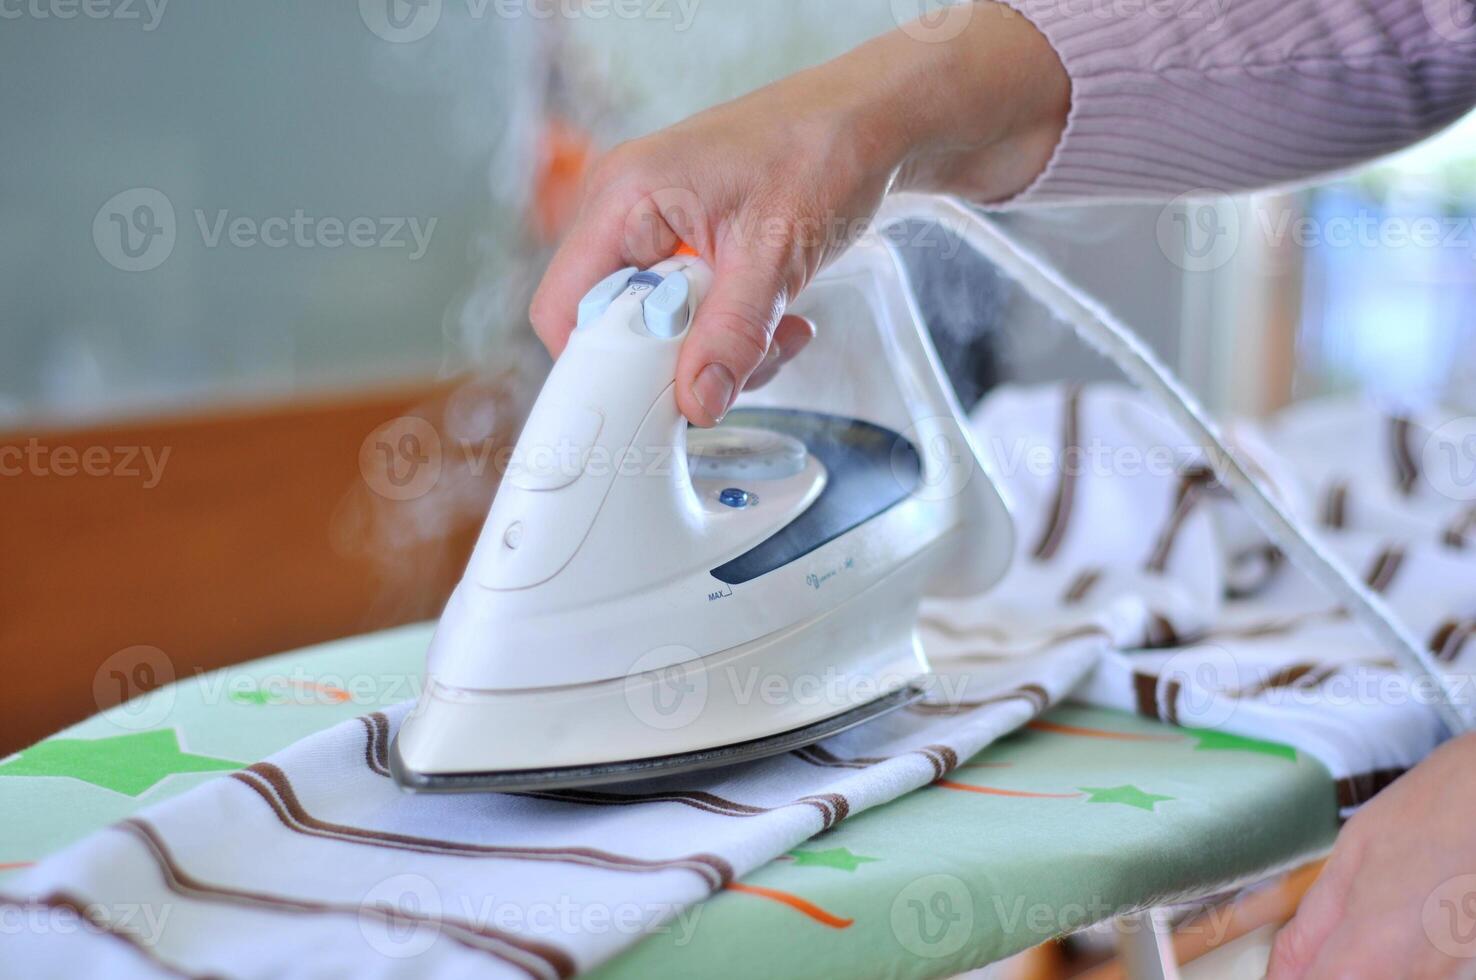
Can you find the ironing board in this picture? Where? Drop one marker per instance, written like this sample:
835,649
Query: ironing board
1084,815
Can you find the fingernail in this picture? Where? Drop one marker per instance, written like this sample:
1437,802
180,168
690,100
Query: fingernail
713,390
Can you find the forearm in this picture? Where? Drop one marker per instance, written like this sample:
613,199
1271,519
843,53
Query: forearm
1050,101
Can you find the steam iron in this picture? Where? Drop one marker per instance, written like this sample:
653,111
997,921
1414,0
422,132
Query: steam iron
647,598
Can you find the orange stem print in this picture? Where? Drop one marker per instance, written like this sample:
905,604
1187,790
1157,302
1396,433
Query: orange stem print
1040,725
995,791
795,902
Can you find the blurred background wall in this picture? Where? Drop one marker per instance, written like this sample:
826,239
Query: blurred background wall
286,246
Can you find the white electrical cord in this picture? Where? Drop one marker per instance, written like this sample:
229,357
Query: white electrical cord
1117,342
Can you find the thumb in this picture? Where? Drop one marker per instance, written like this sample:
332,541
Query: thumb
730,336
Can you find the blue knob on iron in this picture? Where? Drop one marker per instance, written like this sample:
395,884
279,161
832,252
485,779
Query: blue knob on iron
665,310
734,497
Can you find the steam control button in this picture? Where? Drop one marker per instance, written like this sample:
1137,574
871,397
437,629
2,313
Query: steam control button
598,299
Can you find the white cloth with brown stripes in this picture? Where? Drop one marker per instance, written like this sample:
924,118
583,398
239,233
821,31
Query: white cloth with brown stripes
313,863
1123,531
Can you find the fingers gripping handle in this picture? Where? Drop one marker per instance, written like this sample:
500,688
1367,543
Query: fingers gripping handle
622,354
609,399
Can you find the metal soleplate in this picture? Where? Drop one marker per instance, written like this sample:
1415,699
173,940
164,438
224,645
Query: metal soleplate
566,777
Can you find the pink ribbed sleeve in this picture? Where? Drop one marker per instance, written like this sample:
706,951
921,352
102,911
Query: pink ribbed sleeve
1220,95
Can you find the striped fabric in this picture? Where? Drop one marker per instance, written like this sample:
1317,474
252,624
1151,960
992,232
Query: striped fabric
1209,626
1226,95
313,863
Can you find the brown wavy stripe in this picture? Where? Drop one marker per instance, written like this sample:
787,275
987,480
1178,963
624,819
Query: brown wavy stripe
1039,699
1055,529
1406,467
1335,505
376,744
1450,638
272,785
1081,586
1385,569
943,758
1161,633
833,807
65,900
1145,692
1361,787
817,755
707,802
533,957
1455,535
1185,499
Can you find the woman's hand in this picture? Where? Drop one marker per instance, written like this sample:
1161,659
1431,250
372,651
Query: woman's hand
770,187
1398,895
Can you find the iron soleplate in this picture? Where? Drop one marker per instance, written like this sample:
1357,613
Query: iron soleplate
567,777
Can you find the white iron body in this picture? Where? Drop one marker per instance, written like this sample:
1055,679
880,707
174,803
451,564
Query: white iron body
627,612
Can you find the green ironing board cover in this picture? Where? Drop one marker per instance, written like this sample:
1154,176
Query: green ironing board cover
1085,814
